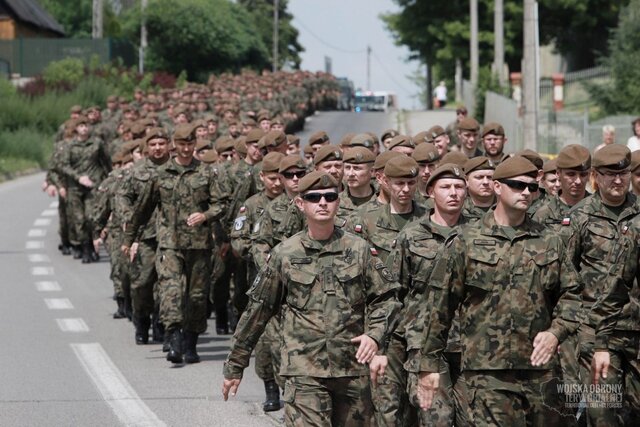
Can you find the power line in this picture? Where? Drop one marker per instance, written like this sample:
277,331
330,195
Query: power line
329,45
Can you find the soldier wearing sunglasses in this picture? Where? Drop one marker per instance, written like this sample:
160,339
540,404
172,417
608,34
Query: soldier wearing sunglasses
337,301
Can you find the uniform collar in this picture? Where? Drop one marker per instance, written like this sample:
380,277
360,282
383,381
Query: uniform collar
490,228
329,246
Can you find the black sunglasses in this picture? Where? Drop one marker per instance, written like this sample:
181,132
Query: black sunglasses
297,174
331,196
519,185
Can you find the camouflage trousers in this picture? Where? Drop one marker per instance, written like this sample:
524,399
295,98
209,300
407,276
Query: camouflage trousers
451,403
183,279
390,398
221,283
619,403
63,222
144,278
240,286
330,402
78,210
119,264
518,398
569,352
267,351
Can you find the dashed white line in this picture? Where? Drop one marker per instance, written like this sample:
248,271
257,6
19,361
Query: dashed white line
58,303
114,388
34,244
49,212
54,205
72,325
38,258
42,271
42,222
48,286
37,232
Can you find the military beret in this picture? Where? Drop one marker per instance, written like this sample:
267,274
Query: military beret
550,166
614,156
117,158
80,120
263,116
426,153
401,141
202,144
382,159
138,130
327,153
469,123
224,143
254,136
515,166
457,157
181,110
359,155
375,137
362,140
76,109
346,139
420,137
93,108
130,146
635,160
434,132
274,138
249,122
289,162
388,134
447,170
308,149
148,121
317,180
123,100
241,146
401,167
209,157
200,123
154,133
183,132
112,98
126,158
271,162
478,163
319,137
492,128
277,120
232,122
532,156
210,118
293,139
574,156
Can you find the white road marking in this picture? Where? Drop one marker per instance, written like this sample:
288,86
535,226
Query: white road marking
54,205
42,222
72,325
114,388
38,258
58,303
34,244
37,232
49,212
47,286
42,271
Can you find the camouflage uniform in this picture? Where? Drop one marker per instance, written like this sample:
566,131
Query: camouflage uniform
472,212
269,229
328,293
510,284
348,204
55,178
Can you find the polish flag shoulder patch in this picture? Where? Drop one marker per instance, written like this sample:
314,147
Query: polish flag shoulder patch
358,228
374,251
566,221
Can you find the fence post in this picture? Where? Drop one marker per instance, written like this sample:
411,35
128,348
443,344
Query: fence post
21,53
558,91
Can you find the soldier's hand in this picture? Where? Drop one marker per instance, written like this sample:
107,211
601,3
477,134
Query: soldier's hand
377,367
63,192
600,366
224,248
52,191
230,386
96,244
85,181
428,383
133,251
125,249
545,346
196,219
367,349
44,185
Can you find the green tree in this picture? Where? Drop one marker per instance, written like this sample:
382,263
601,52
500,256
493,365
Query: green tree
75,16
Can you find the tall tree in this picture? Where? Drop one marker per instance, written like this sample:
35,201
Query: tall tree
75,17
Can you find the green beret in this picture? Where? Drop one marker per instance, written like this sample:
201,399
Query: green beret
183,132
289,162
274,138
614,156
469,123
382,159
478,163
574,156
362,140
515,166
434,132
254,136
492,128
317,180
550,166
389,133
401,167
426,153
271,162
447,170
327,153
155,133
359,155
224,143
319,137
401,141
457,157
532,156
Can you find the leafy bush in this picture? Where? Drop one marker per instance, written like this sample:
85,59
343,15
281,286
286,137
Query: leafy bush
69,71
28,144
6,88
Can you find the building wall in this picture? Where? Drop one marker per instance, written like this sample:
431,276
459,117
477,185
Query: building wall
7,28
10,29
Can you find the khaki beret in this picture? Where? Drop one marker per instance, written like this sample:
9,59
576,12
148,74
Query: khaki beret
420,137
327,153
130,146
274,138
249,122
550,166
209,157
515,166
346,139
317,180
126,158
635,160
389,133
362,140
614,156
94,108
263,116
382,159
241,146
359,155
183,132
112,98
492,128
288,162
224,143
401,167
447,170
426,153
254,136
532,156
200,123
277,120
401,141
434,132
319,137
469,123
478,163
308,149
155,133
271,162
574,156
210,118
76,109
457,157
375,137
138,130
293,139
80,120
201,144
117,158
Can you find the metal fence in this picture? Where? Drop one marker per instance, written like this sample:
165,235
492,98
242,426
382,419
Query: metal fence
576,94
29,56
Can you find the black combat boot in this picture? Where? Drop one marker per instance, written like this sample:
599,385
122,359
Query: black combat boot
95,256
119,314
273,397
175,346
233,319
66,250
128,309
86,252
190,341
222,321
166,342
158,328
142,324
77,251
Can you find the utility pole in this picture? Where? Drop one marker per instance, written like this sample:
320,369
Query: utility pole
474,45
368,67
276,24
498,45
96,27
529,77
143,37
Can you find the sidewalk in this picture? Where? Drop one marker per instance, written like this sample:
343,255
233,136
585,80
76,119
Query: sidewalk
412,122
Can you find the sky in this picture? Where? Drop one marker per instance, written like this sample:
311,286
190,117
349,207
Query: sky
341,30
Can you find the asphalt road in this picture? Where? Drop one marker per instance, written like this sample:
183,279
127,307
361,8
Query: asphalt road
64,361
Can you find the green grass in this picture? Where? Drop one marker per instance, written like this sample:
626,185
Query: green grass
10,166
30,145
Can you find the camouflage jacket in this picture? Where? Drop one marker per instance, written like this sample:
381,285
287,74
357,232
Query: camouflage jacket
423,200
54,176
104,211
80,158
472,212
554,214
347,205
245,222
268,229
507,290
178,191
327,293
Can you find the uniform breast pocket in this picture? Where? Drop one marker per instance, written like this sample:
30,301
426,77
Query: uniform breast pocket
166,188
601,238
199,188
352,285
299,288
423,266
483,271
547,265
